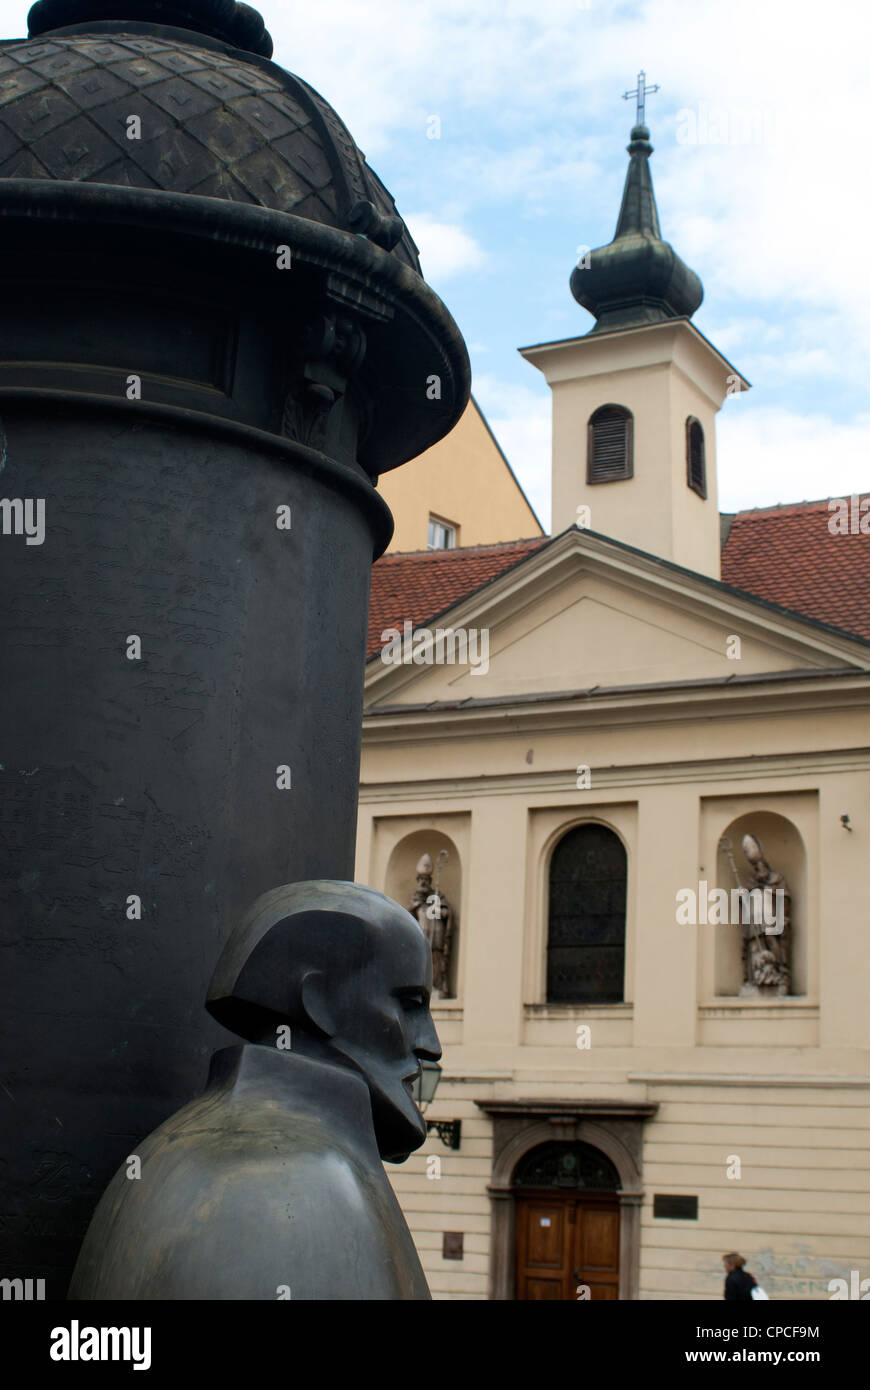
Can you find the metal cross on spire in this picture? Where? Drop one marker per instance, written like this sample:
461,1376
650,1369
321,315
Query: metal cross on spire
641,91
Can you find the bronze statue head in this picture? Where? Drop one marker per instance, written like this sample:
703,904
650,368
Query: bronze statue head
350,972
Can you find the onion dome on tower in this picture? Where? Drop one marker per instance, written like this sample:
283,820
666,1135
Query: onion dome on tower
637,278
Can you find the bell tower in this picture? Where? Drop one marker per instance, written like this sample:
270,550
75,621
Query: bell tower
635,399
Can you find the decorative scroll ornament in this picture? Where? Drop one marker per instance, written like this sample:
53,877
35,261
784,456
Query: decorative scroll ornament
333,347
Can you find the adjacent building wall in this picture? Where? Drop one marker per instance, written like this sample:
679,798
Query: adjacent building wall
464,480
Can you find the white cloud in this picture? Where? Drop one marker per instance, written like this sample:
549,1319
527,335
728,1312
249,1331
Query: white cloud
767,456
445,249
523,89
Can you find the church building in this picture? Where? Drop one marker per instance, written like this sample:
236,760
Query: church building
637,755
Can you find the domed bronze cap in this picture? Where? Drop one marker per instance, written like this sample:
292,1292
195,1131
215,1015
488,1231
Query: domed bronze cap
216,118
239,25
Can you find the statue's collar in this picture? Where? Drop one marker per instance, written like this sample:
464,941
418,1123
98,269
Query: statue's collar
335,1095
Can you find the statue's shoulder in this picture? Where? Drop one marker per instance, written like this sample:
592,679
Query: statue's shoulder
253,1204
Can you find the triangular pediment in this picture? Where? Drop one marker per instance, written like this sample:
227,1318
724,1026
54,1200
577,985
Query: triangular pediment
585,612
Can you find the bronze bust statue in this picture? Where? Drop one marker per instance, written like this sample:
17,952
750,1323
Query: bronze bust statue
271,1184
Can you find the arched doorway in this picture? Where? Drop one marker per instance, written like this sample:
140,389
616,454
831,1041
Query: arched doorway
567,1223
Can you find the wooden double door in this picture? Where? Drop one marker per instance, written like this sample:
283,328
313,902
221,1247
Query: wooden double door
565,1241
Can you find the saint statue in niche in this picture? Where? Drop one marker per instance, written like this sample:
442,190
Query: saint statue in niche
766,925
437,919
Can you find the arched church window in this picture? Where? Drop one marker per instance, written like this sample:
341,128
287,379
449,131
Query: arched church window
696,465
609,455
586,940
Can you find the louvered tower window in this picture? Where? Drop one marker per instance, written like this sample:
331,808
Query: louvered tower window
696,467
609,447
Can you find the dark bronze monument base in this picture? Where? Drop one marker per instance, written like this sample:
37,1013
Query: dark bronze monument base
214,337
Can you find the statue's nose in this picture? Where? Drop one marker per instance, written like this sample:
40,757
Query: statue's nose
426,1045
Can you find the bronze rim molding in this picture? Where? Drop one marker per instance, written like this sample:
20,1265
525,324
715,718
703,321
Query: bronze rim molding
390,301
302,459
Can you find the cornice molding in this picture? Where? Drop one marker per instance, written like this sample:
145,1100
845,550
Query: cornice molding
535,783
777,1079
552,1109
614,709
639,337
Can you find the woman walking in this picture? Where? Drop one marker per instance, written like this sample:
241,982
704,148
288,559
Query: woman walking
739,1283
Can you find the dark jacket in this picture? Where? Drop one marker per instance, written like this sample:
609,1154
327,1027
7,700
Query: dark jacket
739,1285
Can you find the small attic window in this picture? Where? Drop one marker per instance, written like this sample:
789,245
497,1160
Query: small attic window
609,455
442,534
696,466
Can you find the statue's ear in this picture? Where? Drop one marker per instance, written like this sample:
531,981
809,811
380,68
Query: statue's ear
315,1003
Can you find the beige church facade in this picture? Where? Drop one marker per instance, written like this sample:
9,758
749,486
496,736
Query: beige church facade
641,1085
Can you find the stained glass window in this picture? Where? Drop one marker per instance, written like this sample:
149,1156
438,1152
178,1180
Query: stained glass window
586,941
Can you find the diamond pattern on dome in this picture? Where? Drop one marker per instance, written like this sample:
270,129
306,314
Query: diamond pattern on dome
24,165
15,84
83,152
271,121
210,125
37,113
61,64
91,88
218,84
156,123
139,72
9,143
180,98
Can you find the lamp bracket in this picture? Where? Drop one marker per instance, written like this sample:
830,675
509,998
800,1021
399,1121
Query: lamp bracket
448,1131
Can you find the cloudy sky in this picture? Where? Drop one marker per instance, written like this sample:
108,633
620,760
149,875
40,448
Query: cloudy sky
758,167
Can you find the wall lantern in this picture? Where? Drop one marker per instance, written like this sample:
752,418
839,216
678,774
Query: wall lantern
423,1091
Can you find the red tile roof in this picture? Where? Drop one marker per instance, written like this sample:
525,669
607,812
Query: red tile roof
417,585
789,556
784,554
